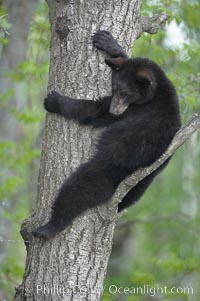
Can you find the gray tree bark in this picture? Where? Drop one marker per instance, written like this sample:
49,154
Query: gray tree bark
72,266
77,258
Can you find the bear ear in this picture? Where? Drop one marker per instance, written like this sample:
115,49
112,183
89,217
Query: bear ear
147,81
144,76
116,63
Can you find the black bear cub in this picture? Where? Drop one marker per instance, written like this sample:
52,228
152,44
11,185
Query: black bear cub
140,119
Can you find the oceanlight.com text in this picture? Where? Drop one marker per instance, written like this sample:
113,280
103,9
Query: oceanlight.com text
148,290
114,289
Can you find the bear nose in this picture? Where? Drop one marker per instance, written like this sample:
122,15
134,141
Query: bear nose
118,105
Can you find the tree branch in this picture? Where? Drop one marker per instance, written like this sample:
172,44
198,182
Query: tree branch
179,139
152,25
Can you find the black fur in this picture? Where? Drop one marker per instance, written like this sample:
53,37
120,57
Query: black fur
140,119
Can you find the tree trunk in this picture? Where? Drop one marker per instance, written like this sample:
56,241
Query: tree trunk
72,266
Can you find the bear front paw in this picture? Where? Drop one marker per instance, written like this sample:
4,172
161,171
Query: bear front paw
102,40
51,102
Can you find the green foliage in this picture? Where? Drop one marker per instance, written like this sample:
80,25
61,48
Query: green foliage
179,61
12,268
19,157
29,71
176,265
4,26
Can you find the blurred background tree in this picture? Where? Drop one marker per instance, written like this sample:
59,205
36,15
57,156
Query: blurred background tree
156,241
24,60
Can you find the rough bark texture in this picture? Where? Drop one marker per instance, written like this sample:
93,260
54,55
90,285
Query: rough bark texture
75,260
